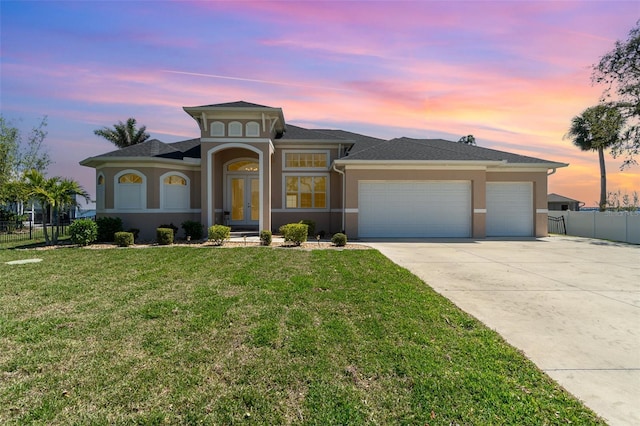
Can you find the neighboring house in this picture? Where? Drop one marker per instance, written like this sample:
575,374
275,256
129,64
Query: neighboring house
558,202
251,170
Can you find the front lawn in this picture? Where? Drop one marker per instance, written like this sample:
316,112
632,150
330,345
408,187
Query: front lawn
182,335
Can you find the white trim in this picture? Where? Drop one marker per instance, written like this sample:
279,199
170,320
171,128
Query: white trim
162,188
116,190
305,151
209,183
187,163
542,211
480,211
149,211
235,140
318,173
351,210
101,194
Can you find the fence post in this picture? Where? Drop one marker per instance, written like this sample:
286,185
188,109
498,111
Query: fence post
31,227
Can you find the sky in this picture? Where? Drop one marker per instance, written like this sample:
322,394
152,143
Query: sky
511,73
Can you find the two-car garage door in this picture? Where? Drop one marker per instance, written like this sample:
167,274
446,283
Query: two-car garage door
414,209
423,209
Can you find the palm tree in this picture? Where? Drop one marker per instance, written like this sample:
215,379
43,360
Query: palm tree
64,195
596,129
53,194
124,134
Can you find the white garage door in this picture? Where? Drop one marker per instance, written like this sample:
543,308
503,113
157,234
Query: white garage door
509,209
414,209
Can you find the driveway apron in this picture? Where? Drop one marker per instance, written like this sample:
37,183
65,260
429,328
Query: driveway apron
571,304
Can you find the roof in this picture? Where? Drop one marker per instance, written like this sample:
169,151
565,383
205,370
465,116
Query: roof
434,150
236,104
152,148
555,198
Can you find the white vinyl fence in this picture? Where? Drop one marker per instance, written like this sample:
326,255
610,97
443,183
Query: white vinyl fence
615,226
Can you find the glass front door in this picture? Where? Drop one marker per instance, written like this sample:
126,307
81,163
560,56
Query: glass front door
244,199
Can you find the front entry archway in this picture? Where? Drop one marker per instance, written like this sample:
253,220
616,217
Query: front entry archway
242,193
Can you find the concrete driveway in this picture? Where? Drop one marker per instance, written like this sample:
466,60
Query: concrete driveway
571,304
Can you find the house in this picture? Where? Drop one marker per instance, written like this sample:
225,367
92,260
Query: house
251,170
557,202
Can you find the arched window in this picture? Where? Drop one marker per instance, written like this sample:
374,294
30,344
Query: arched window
243,166
174,192
100,192
252,129
235,128
217,128
130,190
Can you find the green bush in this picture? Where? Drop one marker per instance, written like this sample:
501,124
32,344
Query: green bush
219,233
135,232
311,227
339,239
124,239
107,227
192,229
83,232
164,236
265,238
294,232
170,226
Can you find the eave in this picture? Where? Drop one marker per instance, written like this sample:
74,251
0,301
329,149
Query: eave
97,161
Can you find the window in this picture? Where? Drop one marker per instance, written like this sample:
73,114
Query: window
235,128
305,160
175,191
130,190
252,129
100,192
244,166
306,192
217,128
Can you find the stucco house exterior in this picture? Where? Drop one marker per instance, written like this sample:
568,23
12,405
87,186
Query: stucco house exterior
251,170
557,202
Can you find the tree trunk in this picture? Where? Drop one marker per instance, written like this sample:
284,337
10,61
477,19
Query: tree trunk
603,181
44,224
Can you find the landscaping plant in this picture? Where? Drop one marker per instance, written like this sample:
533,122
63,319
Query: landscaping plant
83,232
219,234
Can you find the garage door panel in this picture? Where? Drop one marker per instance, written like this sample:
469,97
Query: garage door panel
415,209
509,209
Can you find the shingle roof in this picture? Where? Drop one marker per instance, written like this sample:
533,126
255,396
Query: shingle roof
236,104
555,198
300,133
156,148
434,150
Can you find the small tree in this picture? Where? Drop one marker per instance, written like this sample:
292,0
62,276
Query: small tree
619,71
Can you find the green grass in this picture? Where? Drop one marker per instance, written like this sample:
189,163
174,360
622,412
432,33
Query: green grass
180,335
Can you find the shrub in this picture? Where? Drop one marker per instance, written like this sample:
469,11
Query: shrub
265,238
294,232
192,229
219,233
83,232
135,232
311,227
339,239
164,236
124,239
170,226
107,227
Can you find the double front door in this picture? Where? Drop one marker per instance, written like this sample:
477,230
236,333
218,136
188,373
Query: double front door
243,197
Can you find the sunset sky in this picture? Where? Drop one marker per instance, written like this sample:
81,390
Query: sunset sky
512,73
